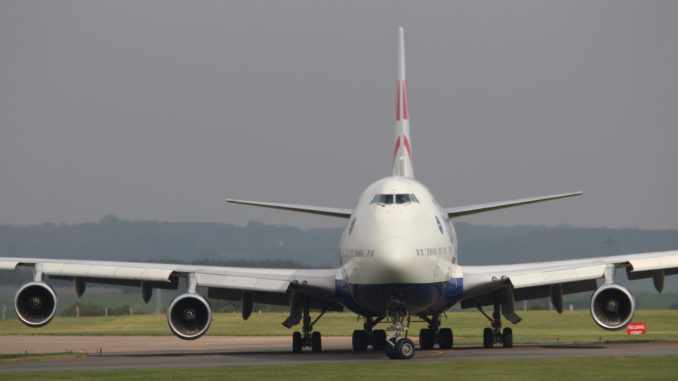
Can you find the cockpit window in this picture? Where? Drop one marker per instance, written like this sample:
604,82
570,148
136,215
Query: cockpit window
382,199
387,199
403,198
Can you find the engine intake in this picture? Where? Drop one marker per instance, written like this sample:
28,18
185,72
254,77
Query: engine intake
612,306
35,304
189,316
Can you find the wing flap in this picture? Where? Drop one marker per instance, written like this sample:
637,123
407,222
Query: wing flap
538,277
485,298
534,280
266,283
106,271
8,264
242,282
654,263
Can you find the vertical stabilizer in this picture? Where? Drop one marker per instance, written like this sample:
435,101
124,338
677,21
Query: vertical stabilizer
402,151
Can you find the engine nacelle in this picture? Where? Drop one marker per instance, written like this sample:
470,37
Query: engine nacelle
612,306
35,304
189,316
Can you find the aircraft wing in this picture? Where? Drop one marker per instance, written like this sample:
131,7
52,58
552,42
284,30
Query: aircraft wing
322,210
480,208
265,285
551,279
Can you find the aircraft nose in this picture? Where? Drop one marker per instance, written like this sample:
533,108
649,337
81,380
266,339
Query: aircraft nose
396,260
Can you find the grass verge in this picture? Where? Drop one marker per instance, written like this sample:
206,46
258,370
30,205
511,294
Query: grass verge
596,369
536,327
5,358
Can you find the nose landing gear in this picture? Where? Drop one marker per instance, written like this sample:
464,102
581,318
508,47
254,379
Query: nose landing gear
403,349
397,347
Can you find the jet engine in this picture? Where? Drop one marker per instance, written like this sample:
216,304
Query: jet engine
35,304
189,316
612,306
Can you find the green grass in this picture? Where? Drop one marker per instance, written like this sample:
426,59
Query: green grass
536,327
4,358
104,299
596,369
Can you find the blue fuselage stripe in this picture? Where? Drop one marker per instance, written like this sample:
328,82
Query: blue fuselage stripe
413,298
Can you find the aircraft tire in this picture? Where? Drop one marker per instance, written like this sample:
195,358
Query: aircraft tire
378,339
405,349
359,340
507,338
446,338
390,350
488,338
426,339
316,342
296,342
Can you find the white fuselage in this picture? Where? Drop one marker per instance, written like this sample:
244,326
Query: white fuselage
403,242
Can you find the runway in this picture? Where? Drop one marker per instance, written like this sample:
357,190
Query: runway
152,352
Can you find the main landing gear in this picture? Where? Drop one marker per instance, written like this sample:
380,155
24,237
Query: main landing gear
429,337
308,338
397,347
495,335
362,338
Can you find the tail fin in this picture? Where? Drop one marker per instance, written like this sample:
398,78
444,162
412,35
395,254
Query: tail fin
402,152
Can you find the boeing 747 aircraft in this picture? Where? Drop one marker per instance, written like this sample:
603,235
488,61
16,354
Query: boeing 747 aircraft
398,262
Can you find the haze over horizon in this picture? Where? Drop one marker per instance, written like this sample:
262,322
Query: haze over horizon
302,227
160,110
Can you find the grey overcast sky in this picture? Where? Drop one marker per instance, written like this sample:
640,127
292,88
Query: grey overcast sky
163,109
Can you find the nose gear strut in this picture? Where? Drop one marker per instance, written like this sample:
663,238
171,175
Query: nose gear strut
397,347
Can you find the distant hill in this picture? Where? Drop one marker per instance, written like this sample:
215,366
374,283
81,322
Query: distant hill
484,245
114,239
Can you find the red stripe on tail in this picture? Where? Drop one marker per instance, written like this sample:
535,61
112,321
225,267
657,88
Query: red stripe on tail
405,99
395,150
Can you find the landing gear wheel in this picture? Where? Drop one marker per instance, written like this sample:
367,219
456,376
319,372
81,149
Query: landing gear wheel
426,339
446,338
296,342
507,338
316,342
389,349
398,345
404,349
488,338
359,340
378,339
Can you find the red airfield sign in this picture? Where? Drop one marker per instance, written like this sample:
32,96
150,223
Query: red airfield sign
636,328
